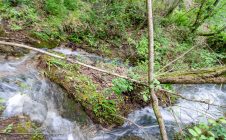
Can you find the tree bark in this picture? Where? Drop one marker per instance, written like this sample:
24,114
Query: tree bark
216,75
154,99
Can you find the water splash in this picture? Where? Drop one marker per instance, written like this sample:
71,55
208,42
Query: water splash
43,101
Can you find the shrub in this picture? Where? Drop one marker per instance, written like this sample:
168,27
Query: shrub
121,85
71,4
213,130
54,7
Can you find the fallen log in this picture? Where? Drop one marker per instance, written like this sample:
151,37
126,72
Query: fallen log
216,75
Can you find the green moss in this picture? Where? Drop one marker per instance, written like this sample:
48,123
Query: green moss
44,41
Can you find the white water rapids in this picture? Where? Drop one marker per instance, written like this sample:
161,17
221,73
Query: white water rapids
26,91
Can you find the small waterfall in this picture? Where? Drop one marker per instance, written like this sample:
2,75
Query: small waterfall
180,114
25,91
43,101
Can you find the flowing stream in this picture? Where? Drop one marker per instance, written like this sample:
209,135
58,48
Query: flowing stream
26,91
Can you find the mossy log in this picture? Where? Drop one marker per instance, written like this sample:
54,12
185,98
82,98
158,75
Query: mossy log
216,75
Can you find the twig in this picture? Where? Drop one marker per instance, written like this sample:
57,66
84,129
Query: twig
181,56
200,111
192,100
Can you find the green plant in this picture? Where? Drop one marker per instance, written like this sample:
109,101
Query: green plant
104,109
15,27
54,7
213,130
121,85
8,128
142,47
71,4
2,107
180,18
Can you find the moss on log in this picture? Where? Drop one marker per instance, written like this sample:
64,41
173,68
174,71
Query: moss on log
216,75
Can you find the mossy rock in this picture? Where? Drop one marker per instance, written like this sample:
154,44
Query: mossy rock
43,42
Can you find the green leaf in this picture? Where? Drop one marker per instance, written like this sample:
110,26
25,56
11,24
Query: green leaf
192,132
198,130
211,133
213,122
211,138
222,120
203,137
145,98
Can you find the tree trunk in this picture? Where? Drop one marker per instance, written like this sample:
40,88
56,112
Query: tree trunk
216,75
154,99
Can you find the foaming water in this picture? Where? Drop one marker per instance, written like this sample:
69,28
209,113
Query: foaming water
177,116
88,58
43,101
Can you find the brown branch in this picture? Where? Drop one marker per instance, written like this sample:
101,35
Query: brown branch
211,34
192,100
181,56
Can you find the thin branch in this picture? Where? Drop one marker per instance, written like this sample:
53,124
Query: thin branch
197,110
70,60
214,33
192,100
181,56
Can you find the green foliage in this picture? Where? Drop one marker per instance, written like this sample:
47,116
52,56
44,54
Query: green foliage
1,104
218,42
121,85
214,130
8,128
21,17
180,18
104,109
203,59
142,47
54,7
71,4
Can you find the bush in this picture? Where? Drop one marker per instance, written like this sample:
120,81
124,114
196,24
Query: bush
213,130
71,4
121,85
54,7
